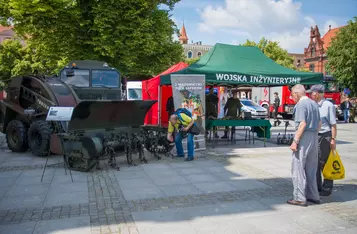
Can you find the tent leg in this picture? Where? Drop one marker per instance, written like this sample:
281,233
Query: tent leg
159,106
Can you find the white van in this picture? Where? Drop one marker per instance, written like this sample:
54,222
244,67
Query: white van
134,90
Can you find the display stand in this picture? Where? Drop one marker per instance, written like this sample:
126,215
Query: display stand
56,115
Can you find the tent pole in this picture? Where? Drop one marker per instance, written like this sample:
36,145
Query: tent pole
159,107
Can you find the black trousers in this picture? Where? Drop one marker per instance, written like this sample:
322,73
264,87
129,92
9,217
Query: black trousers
276,109
324,141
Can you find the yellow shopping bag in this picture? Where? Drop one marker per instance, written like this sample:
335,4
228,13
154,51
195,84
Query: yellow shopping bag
334,169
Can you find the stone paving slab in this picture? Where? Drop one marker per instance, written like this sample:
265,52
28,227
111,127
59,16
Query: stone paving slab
22,228
240,187
80,225
245,217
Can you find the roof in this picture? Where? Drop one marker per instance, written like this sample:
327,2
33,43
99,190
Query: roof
5,28
327,38
244,65
177,67
183,34
90,64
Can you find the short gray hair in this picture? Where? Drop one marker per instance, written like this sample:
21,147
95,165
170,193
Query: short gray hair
299,89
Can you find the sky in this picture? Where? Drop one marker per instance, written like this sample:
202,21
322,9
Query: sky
285,21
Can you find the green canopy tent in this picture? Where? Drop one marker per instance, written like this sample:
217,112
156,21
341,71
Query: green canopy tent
244,66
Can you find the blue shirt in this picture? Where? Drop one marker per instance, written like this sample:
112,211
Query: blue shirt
327,114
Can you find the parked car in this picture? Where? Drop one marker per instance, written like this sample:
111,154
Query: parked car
257,111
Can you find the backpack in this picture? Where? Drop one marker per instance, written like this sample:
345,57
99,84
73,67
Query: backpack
184,111
194,129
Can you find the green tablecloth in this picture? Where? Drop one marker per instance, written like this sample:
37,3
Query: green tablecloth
257,124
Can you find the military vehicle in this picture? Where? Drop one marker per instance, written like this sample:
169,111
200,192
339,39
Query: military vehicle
102,124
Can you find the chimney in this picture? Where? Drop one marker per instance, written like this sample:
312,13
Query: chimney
329,27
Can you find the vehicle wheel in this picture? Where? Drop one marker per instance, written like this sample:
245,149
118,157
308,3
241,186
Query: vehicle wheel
16,136
39,137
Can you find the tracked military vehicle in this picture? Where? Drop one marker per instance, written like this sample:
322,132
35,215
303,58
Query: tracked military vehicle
103,123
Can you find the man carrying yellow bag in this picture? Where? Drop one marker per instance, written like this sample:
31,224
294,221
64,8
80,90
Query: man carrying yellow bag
326,136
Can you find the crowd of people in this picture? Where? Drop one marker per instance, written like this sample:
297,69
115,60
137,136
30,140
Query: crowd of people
315,137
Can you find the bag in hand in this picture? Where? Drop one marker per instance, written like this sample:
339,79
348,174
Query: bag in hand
334,169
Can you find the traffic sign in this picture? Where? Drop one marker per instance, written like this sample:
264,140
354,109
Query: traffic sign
347,91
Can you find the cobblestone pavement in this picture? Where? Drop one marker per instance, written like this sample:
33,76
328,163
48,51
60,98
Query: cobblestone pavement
227,189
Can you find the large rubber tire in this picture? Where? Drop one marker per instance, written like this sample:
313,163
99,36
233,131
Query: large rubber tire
16,136
39,137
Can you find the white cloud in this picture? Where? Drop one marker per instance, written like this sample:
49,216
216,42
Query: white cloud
310,21
293,42
325,29
250,16
279,20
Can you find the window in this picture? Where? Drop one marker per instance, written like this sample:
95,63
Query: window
312,52
199,54
189,54
105,78
79,79
134,94
248,102
312,67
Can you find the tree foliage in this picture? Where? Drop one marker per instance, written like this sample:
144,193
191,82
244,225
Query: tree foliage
134,36
272,50
190,61
11,54
342,56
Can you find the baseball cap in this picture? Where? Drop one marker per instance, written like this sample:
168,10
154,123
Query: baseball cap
316,88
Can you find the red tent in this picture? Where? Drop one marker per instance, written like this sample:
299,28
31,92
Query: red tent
150,91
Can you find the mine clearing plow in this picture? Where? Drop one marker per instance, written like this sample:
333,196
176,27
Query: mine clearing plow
101,126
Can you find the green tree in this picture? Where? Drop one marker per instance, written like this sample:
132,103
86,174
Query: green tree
190,61
134,36
272,50
11,53
342,56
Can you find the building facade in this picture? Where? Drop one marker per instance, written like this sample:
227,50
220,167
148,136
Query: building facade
315,54
298,59
193,50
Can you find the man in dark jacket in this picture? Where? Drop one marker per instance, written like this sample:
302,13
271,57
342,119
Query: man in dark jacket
276,109
232,109
212,107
